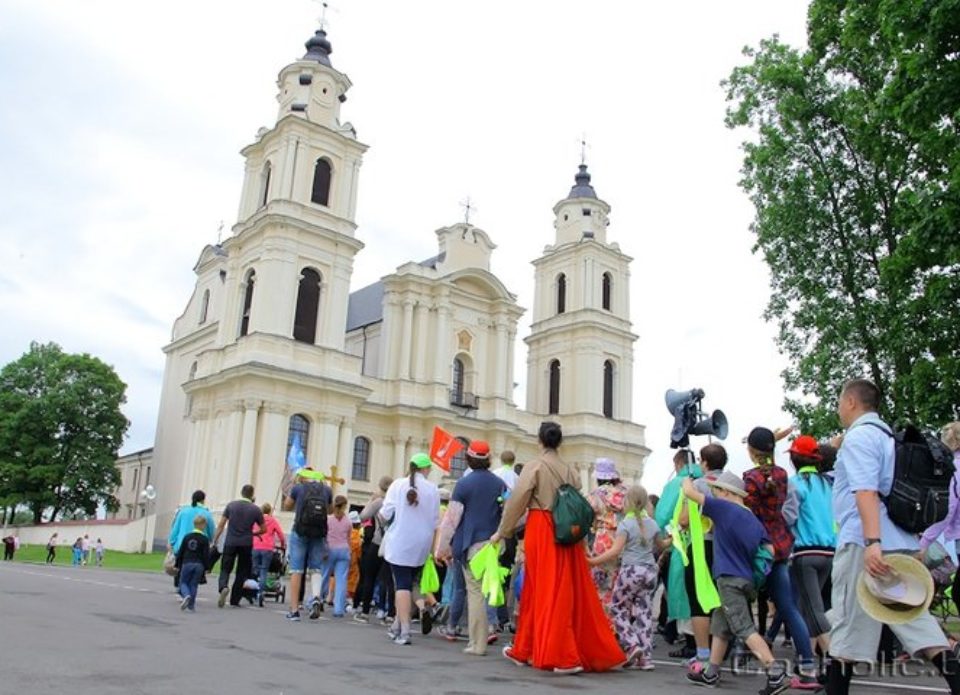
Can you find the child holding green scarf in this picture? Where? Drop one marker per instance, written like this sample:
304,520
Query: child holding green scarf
631,603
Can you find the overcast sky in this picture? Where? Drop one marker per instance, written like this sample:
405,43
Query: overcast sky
120,130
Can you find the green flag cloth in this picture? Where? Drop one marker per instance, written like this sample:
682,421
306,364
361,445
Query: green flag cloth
678,604
486,569
429,579
707,595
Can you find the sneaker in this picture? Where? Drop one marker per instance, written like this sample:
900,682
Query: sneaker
386,621
775,685
473,651
393,633
701,677
381,614
643,664
448,633
508,655
315,609
361,618
185,603
571,671
805,682
222,599
402,640
426,621
293,616
492,636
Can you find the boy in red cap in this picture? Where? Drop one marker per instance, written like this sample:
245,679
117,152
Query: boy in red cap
472,517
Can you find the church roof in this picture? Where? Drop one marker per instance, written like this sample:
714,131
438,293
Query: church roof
365,306
319,48
582,187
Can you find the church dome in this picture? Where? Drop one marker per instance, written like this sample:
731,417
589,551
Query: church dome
582,187
319,48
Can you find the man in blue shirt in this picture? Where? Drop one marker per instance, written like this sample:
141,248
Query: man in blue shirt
864,474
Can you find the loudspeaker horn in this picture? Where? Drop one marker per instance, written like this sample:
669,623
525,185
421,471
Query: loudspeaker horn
674,399
715,425
149,492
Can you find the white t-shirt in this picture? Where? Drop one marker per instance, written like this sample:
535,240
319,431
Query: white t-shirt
409,536
507,475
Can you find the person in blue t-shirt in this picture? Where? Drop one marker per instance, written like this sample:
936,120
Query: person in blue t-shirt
474,512
737,536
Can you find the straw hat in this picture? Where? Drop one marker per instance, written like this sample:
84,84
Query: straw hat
729,482
900,596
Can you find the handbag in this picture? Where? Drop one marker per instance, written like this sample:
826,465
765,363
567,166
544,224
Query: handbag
170,563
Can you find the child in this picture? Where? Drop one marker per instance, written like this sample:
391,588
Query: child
99,550
192,559
631,603
78,552
737,535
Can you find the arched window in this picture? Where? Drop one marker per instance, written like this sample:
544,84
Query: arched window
265,183
298,435
193,371
204,306
607,290
608,389
322,174
456,386
361,459
458,464
561,293
554,387
247,301
308,303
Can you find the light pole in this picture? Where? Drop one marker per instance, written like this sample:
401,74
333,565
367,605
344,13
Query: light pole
147,494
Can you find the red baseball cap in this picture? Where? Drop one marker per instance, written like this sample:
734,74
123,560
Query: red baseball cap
805,445
478,449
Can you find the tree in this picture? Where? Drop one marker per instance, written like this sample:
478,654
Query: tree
853,168
60,430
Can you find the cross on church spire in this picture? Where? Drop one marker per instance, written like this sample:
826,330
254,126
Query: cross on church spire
583,148
468,207
323,13
219,232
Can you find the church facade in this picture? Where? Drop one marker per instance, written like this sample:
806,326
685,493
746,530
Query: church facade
273,347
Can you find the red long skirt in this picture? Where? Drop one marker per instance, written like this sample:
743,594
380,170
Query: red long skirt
561,622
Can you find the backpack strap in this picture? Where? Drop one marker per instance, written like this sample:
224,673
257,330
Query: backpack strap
880,427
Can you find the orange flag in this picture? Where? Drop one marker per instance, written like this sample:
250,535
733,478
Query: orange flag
443,448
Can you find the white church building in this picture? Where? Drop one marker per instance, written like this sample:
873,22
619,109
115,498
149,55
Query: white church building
272,343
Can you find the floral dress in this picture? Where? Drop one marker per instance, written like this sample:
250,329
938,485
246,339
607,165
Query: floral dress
607,502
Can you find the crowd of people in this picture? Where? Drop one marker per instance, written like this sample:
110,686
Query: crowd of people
715,551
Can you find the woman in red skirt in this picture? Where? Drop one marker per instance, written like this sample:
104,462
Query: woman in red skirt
562,626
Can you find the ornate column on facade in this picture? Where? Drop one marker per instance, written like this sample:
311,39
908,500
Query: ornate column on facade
329,440
420,373
441,360
248,442
345,453
502,372
272,455
406,338
229,451
399,464
193,468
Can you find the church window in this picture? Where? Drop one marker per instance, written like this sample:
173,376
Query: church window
607,290
561,293
247,302
204,306
308,304
608,389
298,435
586,212
361,459
456,388
458,464
265,183
554,405
322,174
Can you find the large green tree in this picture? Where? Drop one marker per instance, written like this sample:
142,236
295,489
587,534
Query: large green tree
60,430
853,166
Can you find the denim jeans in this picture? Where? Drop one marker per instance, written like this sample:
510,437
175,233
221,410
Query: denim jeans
337,564
780,589
261,566
190,575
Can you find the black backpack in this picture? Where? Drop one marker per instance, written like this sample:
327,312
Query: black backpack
923,471
310,520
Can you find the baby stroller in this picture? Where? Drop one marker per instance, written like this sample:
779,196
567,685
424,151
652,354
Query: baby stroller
942,568
275,588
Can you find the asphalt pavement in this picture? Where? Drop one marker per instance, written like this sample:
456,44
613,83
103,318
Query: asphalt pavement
92,631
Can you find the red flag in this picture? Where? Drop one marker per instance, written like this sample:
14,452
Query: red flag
443,448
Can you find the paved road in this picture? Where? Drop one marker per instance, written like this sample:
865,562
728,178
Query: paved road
103,632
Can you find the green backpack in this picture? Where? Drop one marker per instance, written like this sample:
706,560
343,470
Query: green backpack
572,514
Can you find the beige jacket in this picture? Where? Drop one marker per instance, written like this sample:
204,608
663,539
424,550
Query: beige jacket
536,488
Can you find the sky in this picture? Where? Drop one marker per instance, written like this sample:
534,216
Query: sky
120,132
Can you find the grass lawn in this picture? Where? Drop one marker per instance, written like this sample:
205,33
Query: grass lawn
112,559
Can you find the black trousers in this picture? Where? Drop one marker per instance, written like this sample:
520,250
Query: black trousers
8,551
51,553
370,563
242,556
